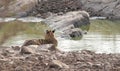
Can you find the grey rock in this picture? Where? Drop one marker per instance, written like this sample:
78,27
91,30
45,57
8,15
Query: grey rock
27,50
105,8
21,14
19,68
57,6
58,64
5,52
15,48
70,23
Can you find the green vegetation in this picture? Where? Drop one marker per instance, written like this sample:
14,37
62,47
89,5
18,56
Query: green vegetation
10,29
105,27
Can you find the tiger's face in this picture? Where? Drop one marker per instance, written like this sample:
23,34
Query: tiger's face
49,34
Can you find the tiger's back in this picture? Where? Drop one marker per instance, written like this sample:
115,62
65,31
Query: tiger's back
36,42
49,39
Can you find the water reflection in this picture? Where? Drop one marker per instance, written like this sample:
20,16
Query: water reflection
98,43
12,29
103,36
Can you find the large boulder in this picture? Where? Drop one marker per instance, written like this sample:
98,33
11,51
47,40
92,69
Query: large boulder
16,8
71,23
105,8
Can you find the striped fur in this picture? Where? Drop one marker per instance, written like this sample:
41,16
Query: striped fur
49,39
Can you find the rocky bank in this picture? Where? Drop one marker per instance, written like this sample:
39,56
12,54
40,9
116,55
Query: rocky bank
104,8
44,8
11,59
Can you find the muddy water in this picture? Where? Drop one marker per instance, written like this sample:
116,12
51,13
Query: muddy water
103,36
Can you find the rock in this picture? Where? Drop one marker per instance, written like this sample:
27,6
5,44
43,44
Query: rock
75,18
5,52
97,66
27,50
16,8
21,8
87,52
19,68
70,22
75,33
1,56
58,64
15,48
53,6
105,8
67,61
21,14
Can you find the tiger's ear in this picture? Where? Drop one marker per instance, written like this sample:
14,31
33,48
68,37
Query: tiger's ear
47,31
53,31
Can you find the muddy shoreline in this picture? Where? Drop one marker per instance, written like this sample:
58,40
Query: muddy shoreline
44,60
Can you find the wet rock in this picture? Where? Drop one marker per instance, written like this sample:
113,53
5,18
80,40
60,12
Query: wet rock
27,50
76,33
58,64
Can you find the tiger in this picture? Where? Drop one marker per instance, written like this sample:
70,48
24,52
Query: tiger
49,39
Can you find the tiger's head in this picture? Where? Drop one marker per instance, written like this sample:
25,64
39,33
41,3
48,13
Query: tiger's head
49,34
